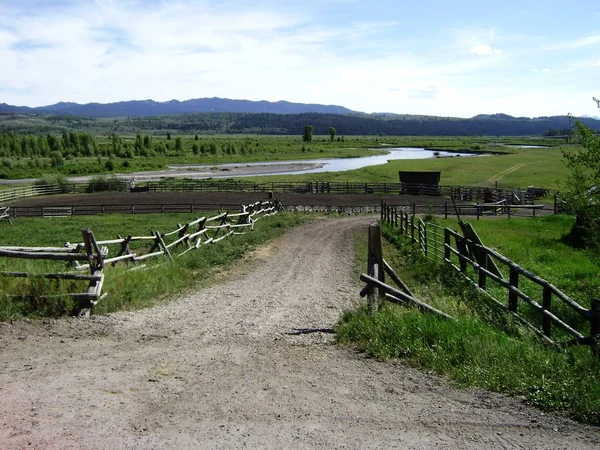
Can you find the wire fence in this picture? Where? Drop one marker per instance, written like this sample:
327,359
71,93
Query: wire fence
532,300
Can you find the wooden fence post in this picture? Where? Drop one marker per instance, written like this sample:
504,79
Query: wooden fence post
512,296
447,244
547,304
375,265
412,229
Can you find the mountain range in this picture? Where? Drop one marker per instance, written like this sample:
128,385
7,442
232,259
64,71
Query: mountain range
146,108
220,115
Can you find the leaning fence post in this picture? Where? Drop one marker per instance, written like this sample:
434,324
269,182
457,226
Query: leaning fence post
482,268
514,284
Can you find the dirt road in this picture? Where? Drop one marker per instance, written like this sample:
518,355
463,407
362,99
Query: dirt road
216,369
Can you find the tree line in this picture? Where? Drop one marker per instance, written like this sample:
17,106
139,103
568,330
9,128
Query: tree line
293,124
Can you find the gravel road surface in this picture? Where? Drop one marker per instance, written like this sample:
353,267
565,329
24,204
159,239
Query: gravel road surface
218,368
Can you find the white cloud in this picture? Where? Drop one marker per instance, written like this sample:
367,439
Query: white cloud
110,50
483,49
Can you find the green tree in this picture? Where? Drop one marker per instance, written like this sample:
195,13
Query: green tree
308,133
178,145
332,133
583,187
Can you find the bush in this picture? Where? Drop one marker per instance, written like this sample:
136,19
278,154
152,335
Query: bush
55,180
101,183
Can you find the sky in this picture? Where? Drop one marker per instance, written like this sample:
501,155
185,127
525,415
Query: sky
445,58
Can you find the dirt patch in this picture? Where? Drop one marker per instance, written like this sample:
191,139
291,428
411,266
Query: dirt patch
220,369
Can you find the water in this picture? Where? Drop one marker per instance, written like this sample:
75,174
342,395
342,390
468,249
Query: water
327,165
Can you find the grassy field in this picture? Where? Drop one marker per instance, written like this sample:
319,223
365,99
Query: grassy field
513,167
484,347
536,244
126,290
519,168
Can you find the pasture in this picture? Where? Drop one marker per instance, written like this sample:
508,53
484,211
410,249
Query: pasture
509,166
127,290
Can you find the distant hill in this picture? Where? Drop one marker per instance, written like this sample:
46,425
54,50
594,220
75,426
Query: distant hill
148,108
293,124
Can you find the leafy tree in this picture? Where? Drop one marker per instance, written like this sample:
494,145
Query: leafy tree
178,145
308,133
332,133
168,136
583,196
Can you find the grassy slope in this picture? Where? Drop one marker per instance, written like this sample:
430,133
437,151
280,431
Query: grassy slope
536,245
484,347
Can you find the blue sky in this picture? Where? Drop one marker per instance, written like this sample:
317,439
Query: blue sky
446,58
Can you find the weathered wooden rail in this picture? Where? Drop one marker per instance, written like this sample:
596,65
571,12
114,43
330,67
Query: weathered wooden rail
485,268
93,255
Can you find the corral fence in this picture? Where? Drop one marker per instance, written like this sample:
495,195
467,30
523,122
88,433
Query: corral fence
530,299
521,196
94,256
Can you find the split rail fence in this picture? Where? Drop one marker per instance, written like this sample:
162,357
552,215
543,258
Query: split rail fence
93,256
533,301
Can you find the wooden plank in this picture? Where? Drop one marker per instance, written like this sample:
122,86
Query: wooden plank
55,276
44,255
395,292
131,256
473,238
70,249
396,279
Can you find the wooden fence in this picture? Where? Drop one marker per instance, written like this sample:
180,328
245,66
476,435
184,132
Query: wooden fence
530,299
12,194
93,255
484,194
377,290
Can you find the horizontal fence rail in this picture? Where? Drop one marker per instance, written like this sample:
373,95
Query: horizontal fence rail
94,256
481,265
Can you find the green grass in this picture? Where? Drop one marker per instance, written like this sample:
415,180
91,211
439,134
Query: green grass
126,290
519,168
484,347
474,353
515,167
536,245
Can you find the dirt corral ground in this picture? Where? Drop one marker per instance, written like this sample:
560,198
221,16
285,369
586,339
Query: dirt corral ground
221,198
222,368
